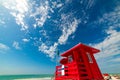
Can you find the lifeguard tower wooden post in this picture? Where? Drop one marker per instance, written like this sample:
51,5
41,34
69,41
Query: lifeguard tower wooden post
78,63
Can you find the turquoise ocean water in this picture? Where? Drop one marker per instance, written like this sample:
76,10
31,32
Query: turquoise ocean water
12,77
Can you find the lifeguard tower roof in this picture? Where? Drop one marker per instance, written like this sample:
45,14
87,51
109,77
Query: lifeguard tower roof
81,46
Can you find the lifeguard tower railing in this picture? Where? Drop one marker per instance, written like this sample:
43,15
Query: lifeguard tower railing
71,72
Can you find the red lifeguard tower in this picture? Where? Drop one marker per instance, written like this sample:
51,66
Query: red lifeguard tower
78,63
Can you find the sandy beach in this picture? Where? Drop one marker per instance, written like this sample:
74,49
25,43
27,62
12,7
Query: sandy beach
113,78
47,78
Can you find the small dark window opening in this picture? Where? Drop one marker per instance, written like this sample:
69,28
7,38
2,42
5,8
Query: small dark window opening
70,59
89,58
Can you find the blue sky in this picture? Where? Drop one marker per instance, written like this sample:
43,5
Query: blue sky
32,30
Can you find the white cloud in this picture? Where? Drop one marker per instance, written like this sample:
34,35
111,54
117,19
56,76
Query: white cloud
2,21
112,19
110,46
108,59
21,9
16,45
3,48
66,32
50,51
56,4
18,9
25,40
68,28
59,5
90,4
42,11
115,60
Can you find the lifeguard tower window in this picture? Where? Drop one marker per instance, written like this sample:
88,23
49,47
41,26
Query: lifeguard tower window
89,57
70,58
